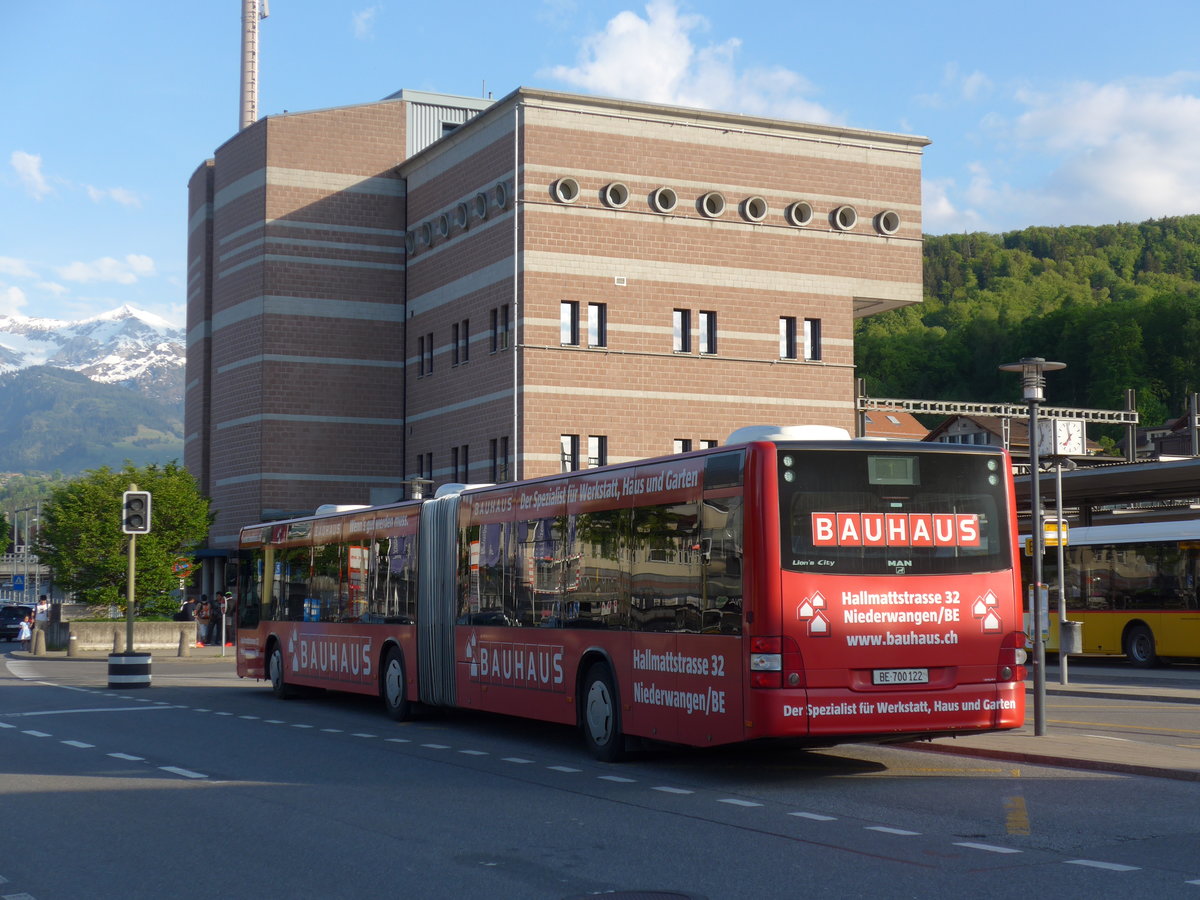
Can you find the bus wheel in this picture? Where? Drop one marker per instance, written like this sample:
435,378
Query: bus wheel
601,720
275,669
392,687
1139,647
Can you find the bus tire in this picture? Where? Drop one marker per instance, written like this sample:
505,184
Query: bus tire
275,671
1139,647
393,687
601,715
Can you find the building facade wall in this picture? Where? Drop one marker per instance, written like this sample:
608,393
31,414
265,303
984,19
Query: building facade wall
375,319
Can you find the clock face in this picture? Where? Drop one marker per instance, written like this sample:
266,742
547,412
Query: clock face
1060,437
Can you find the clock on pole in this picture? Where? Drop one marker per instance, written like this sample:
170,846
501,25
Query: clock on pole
1060,437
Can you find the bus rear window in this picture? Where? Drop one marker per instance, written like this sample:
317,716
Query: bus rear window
881,512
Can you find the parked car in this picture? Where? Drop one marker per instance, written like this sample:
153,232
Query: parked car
10,621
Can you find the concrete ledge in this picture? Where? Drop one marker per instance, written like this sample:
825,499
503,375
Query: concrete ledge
91,636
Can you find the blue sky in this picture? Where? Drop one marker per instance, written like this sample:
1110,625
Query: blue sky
1048,113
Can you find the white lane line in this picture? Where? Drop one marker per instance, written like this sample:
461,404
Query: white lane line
298,725
33,733
816,817
105,709
128,757
1097,864
736,801
1109,737
363,734
333,730
186,773
990,848
389,740
672,790
437,746
6,725
224,714
248,717
275,721
474,752
886,830
80,744
567,769
513,759
618,779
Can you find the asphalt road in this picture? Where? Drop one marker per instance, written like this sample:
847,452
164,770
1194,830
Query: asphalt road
206,786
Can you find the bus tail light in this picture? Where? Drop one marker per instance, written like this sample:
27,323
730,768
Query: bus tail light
1013,657
775,662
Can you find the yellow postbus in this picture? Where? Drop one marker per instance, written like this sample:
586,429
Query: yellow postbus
1133,587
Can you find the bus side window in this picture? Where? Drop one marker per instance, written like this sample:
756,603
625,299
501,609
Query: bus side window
721,559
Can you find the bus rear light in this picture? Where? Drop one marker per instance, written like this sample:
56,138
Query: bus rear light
1013,657
775,662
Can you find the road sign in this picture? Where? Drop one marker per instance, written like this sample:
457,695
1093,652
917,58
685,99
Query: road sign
18,582
181,567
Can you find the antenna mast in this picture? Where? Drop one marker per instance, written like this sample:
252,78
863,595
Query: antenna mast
252,11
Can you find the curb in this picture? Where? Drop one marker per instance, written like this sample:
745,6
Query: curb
1058,761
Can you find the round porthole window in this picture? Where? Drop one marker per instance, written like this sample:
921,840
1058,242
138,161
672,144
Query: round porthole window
615,195
481,206
566,190
799,213
712,204
426,233
460,215
444,225
500,195
664,200
410,243
754,209
887,222
844,218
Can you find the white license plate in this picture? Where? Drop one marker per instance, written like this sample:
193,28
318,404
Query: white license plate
900,676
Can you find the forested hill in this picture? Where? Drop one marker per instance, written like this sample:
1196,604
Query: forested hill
1119,304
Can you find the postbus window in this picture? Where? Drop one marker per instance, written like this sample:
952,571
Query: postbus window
599,596
665,555
721,561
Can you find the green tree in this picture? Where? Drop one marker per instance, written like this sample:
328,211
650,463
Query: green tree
82,541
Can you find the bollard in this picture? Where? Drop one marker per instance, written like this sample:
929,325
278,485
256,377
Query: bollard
129,670
185,646
116,642
71,646
39,643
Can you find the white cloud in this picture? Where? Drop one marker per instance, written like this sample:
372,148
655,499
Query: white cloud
15,268
126,271
1121,151
52,287
12,301
364,23
655,59
119,195
29,170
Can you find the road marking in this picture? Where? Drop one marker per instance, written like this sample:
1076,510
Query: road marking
437,746
475,753
990,848
567,769
886,830
814,816
1096,864
128,757
735,801
298,725
672,790
186,773
1016,818
619,779
389,740
80,744
511,759
104,709
363,734
32,733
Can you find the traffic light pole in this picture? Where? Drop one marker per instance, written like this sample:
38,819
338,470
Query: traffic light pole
130,573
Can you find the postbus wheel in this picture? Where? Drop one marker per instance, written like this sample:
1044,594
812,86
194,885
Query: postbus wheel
1139,647
601,719
275,669
393,688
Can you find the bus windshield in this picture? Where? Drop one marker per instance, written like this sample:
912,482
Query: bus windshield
878,512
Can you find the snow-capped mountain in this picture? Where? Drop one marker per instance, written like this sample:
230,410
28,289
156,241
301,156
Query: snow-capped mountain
123,346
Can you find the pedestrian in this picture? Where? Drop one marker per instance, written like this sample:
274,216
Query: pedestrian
25,632
203,616
216,614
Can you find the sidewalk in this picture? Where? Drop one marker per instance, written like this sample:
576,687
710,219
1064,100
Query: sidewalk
1057,747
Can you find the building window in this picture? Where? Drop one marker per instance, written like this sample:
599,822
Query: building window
500,327
597,450
569,452
428,364
420,356
462,351
787,337
708,443
454,341
708,332
568,323
597,324
812,338
498,448
681,331
682,445
459,466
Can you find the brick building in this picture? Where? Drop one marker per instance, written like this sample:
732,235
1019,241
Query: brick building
465,290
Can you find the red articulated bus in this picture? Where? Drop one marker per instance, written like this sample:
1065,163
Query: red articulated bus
794,584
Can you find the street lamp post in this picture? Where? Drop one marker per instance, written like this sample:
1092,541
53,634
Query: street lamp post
1033,383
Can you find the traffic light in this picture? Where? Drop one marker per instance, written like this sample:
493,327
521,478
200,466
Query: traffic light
135,512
